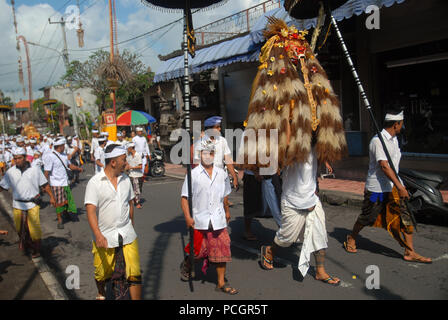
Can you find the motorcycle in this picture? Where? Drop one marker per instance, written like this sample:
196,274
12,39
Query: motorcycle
86,153
156,164
424,190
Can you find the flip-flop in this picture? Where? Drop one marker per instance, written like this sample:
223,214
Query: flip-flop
418,260
100,298
227,289
330,278
263,259
348,247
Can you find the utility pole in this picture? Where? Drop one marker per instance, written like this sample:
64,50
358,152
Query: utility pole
67,66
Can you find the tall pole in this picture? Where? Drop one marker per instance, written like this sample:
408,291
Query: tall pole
67,66
188,128
112,48
28,63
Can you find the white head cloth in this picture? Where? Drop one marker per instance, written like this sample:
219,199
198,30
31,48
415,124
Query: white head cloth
116,152
19,152
207,145
130,145
60,142
139,129
394,117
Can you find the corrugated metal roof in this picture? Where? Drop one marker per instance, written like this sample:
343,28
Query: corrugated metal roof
246,48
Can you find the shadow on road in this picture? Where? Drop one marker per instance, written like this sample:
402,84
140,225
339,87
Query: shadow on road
152,274
340,234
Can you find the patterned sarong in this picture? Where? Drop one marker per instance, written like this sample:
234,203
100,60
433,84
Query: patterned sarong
64,199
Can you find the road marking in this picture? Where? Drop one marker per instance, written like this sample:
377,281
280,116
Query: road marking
159,183
47,276
444,256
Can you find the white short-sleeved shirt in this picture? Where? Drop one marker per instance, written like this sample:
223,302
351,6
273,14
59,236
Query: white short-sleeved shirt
94,145
376,179
135,161
141,145
112,207
299,184
100,155
58,174
208,197
221,149
25,186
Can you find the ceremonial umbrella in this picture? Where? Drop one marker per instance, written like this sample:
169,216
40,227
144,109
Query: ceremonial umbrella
131,118
188,46
150,118
307,9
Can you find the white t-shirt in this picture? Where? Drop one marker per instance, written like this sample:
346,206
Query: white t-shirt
208,197
299,184
94,145
25,186
135,161
221,149
99,155
141,145
58,174
376,179
112,207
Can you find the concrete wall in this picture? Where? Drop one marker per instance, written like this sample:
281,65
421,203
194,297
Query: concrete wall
65,96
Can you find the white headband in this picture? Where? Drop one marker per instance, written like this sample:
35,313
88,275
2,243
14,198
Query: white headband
394,117
60,142
19,152
116,152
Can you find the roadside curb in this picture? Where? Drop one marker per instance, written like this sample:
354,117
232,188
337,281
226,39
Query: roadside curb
50,281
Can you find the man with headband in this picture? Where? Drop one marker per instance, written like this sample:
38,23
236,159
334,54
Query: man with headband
109,201
210,187
26,182
56,167
381,187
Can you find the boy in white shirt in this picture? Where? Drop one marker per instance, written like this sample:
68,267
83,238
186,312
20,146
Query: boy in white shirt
210,187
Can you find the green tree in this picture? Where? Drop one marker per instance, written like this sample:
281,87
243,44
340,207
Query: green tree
95,71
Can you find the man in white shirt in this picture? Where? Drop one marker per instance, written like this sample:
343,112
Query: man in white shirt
26,182
56,165
110,212
223,153
100,161
301,207
120,140
381,186
210,188
93,144
141,146
134,161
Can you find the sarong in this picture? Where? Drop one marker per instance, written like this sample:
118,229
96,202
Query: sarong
64,199
395,218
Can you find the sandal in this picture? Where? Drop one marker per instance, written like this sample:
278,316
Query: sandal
418,259
100,298
330,278
264,260
349,248
227,289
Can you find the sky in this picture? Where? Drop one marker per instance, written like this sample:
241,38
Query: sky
134,18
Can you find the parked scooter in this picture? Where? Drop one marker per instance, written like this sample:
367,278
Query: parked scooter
425,197
156,164
86,153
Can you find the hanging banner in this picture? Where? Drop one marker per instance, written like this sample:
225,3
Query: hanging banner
191,42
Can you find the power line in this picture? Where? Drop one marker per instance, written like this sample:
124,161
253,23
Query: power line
136,37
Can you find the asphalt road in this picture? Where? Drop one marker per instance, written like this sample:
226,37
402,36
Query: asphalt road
162,235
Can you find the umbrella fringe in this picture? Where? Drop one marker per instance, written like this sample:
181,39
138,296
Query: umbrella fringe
174,10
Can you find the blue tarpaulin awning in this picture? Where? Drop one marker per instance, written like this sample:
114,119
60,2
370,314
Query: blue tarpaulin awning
247,48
